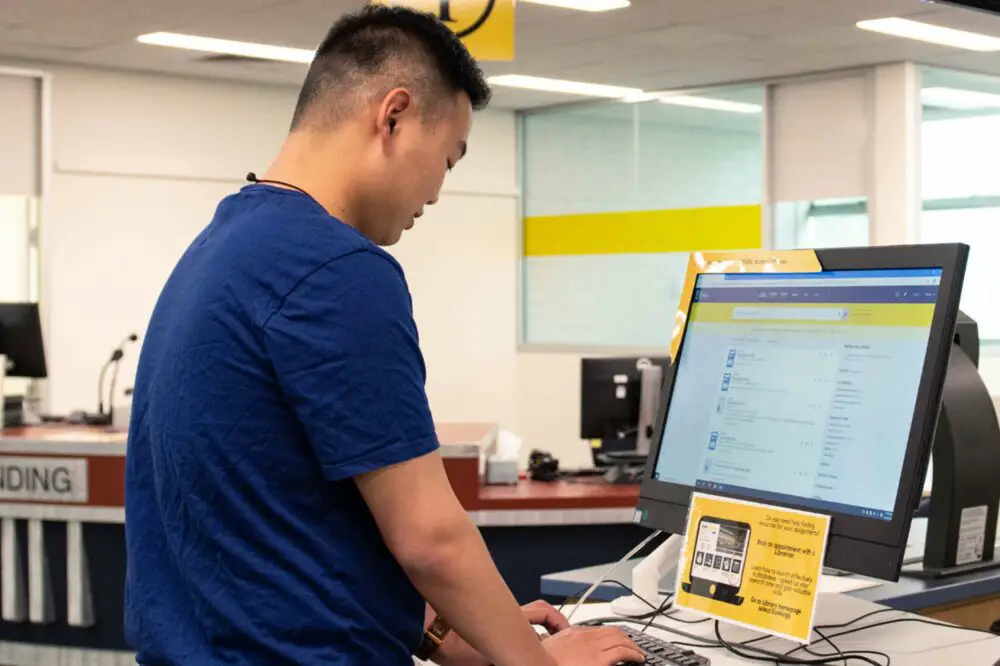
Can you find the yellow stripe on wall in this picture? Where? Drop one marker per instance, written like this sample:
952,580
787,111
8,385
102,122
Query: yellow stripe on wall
680,230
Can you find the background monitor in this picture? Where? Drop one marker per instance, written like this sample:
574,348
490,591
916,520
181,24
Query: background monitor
21,340
814,391
616,410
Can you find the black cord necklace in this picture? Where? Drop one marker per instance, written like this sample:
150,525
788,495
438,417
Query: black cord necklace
252,178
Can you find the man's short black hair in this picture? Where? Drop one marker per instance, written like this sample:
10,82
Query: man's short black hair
369,52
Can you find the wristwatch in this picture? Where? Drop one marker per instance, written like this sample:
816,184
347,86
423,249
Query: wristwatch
434,635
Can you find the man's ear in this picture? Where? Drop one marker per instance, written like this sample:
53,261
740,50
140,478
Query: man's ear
396,105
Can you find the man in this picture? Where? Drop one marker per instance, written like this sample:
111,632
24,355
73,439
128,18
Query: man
285,500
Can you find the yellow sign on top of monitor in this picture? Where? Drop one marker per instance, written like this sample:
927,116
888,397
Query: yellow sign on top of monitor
486,27
744,261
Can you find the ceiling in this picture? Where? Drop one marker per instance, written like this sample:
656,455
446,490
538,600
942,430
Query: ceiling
654,44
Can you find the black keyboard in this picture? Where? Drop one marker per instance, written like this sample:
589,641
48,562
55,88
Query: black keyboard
662,653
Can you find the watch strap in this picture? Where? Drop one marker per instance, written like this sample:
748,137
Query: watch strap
434,635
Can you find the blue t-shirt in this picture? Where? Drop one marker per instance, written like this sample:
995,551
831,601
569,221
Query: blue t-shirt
281,360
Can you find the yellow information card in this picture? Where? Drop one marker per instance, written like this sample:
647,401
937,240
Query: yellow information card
753,565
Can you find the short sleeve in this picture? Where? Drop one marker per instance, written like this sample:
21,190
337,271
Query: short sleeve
345,350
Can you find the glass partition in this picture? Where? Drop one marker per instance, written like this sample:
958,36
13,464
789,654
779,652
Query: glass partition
615,196
961,181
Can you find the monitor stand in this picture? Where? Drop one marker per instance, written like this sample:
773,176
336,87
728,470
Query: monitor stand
965,496
625,467
646,577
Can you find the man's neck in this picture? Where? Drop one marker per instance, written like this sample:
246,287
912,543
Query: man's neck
304,163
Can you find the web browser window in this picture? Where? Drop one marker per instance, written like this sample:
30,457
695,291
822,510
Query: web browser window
800,388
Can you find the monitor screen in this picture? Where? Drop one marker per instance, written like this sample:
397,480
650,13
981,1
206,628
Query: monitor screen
800,388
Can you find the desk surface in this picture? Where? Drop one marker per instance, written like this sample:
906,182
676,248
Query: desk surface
529,494
907,643
909,594
537,504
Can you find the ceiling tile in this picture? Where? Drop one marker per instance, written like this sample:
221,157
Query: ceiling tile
654,44
680,37
23,11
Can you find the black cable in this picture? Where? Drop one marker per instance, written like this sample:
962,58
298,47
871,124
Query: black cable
786,658
654,609
858,619
252,178
888,659
700,641
673,616
732,649
659,611
900,620
840,653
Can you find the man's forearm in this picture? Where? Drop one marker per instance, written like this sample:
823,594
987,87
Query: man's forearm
461,582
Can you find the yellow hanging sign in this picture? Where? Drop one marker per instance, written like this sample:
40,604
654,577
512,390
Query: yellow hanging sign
486,27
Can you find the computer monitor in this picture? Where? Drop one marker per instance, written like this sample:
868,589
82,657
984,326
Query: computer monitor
619,402
815,391
21,340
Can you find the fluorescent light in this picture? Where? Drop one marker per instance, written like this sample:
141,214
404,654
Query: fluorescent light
584,5
935,34
641,96
561,86
228,47
711,103
962,100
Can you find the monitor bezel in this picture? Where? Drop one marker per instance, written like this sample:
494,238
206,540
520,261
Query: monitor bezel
666,503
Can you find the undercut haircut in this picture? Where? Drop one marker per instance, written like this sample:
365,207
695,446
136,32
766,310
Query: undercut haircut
376,49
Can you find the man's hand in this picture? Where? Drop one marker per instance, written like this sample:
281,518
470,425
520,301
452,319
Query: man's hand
543,614
592,646
456,652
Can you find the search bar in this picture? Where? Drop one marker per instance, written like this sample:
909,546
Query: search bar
786,314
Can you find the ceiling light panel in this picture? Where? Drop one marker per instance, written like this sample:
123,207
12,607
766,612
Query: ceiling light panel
934,34
562,86
711,103
228,47
583,5
961,100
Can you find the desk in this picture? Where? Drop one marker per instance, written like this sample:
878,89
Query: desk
972,600
908,644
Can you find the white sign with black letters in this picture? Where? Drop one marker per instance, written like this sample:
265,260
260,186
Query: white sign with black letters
44,479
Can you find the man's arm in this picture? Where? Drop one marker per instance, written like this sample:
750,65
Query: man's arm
442,552
345,352
456,652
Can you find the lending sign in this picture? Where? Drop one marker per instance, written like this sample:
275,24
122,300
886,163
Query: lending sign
39,479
